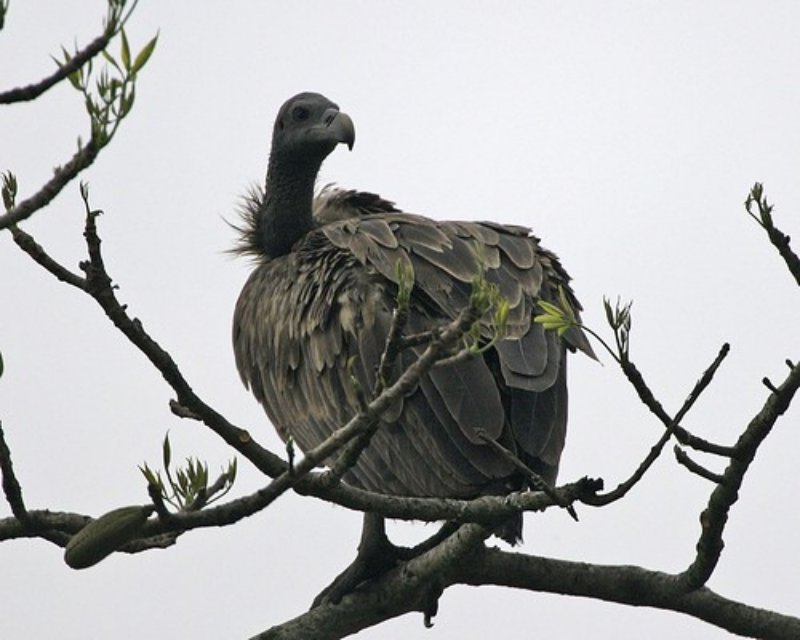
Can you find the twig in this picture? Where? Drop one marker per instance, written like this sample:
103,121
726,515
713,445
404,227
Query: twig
535,480
672,426
363,422
778,239
646,396
392,349
76,61
158,502
350,454
83,158
115,20
417,339
11,486
683,458
39,255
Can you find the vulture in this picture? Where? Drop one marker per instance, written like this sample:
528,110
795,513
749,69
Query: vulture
318,306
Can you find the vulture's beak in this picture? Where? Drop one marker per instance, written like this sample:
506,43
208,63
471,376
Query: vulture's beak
341,127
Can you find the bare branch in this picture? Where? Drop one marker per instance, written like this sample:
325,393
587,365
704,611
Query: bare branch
409,587
75,62
53,526
27,243
534,479
625,585
646,396
684,459
715,516
118,14
461,559
671,426
483,509
778,239
11,486
83,158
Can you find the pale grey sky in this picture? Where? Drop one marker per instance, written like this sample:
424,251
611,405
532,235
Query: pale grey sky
626,134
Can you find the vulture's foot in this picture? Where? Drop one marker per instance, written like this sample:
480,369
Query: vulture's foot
376,556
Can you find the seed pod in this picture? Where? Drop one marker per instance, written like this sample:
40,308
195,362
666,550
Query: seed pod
105,535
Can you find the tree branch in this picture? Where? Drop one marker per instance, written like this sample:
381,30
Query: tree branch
715,516
778,239
75,62
62,176
461,559
625,585
644,392
685,459
684,437
11,487
409,587
118,14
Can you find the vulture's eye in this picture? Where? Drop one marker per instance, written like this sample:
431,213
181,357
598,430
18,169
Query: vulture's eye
299,113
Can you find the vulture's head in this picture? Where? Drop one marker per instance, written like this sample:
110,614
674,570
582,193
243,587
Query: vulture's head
308,127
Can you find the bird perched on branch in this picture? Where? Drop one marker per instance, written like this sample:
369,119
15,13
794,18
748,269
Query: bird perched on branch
318,308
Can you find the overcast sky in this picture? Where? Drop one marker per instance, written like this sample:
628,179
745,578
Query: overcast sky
626,135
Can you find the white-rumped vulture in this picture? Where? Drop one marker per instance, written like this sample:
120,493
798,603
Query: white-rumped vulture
323,292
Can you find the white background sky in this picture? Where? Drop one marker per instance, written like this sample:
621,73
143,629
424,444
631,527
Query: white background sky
626,134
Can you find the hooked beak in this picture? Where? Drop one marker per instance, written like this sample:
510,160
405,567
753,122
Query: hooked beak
340,127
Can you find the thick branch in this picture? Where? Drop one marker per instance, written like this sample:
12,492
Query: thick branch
625,585
461,560
50,525
409,587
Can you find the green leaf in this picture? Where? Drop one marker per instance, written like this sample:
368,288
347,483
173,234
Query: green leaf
566,307
9,189
148,474
144,55
550,309
127,102
609,312
404,273
110,59
125,51
166,451
549,322
75,80
501,314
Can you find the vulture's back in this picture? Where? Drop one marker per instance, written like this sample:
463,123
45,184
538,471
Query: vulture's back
301,318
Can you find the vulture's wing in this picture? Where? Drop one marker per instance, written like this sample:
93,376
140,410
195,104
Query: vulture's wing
306,322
